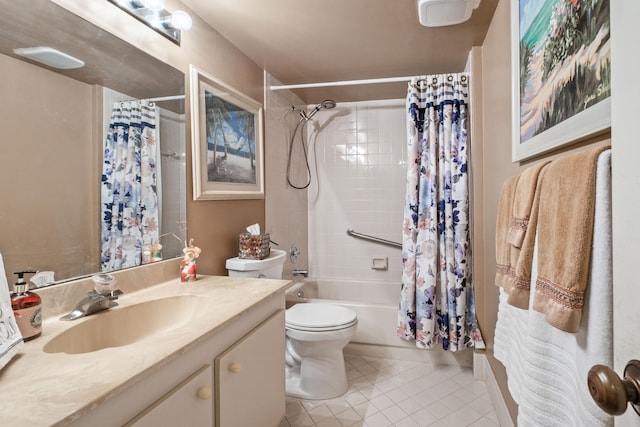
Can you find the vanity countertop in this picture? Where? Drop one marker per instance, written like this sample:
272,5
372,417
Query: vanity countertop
43,389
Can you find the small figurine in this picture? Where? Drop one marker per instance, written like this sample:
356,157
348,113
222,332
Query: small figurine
153,253
188,263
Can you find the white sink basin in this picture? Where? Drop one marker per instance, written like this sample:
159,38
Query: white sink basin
125,325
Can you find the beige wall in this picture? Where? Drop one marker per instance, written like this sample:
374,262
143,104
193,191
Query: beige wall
39,142
214,225
497,167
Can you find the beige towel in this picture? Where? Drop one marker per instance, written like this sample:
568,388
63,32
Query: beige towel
522,233
523,203
565,230
503,261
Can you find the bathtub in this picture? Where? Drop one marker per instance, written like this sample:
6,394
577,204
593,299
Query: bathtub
376,305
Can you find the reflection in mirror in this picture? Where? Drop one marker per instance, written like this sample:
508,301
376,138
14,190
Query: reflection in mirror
54,133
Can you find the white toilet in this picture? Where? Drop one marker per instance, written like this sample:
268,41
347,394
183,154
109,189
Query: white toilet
269,268
316,335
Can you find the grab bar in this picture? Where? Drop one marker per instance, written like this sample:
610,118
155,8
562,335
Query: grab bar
352,233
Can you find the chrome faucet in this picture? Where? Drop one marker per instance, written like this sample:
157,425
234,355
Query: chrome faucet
94,301
101,298
298,272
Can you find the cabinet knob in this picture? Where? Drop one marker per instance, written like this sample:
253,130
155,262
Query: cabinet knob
610,392
204,393
235,367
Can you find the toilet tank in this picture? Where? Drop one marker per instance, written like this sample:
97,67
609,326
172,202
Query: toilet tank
270,267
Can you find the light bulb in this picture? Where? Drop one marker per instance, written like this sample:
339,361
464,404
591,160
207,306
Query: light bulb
181,20
153,5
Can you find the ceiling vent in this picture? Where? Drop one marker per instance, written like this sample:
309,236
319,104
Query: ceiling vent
439,13
50,57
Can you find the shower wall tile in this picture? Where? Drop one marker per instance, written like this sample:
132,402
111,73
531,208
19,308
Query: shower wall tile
360,163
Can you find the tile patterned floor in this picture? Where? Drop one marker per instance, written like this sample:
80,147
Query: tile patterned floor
385,392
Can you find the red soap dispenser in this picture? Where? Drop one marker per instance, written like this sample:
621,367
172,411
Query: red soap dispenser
27,308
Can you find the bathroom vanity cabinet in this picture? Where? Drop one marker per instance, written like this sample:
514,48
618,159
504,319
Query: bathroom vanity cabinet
250,378
235,377
222,365
189,404
249,386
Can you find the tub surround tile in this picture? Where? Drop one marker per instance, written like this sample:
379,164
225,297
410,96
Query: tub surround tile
361,150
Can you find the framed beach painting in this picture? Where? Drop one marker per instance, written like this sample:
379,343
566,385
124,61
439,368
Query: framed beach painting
227,142
561,73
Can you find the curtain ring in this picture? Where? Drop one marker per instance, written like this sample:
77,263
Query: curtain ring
434,81
449,78
463,78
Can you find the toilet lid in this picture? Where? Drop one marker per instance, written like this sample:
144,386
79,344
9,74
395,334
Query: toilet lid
319,316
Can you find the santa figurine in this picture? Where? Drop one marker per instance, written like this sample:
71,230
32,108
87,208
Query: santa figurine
188,263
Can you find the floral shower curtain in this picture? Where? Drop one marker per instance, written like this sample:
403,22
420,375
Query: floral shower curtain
129,185
437,302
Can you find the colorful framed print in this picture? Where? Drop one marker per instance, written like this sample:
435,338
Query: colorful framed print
227,142
561,73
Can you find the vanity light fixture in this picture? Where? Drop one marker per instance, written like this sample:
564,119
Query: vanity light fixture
50,57
153,14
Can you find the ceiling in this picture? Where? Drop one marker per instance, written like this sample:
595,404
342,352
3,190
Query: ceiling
305,41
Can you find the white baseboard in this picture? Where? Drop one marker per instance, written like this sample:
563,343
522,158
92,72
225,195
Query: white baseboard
436,356
502,412
478,365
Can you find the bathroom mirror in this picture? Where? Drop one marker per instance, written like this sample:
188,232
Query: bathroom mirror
54,123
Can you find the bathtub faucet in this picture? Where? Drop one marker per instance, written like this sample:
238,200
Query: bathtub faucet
298,272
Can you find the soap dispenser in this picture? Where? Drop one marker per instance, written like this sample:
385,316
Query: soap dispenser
27,308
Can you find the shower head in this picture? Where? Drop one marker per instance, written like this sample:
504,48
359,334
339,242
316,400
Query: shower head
328,104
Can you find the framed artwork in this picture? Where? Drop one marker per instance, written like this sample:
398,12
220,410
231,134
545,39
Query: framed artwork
561,73
227,142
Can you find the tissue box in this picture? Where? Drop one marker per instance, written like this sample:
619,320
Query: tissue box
254,246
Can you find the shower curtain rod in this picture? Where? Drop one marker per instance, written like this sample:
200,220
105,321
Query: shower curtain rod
166,98
344,83
159,99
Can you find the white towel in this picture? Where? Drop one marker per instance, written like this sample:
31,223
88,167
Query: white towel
509,343
547,368
10,345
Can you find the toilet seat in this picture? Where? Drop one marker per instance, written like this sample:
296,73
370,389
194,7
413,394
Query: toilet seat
319,317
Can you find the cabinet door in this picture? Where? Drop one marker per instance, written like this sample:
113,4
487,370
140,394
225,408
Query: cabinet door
250,378
188,404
